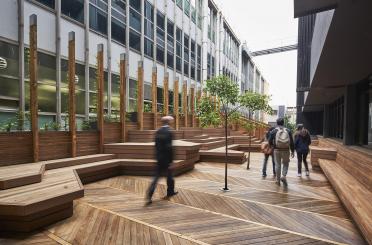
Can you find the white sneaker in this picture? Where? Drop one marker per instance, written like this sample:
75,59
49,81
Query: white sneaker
307,173
299,175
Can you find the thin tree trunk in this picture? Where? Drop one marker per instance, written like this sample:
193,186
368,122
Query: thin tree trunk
226,152
250,144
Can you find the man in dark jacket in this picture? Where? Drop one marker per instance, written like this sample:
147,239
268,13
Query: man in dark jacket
164,157
282,141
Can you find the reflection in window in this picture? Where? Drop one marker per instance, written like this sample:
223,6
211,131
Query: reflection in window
48,3
79,87
118,22
73,9
149,30
135,40
198,74
132,95
115,93
193,59
186,55
170,44
160,37
98,16
9,78
179,50
135,25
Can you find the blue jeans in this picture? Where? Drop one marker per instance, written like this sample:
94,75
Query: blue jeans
265,164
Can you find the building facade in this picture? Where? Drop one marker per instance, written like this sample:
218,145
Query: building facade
334,82
188,40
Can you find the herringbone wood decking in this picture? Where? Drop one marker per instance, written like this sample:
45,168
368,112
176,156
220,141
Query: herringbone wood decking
255,211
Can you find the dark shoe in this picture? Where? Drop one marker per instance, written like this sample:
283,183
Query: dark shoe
277,183
284,180
264,175
172,194
148,202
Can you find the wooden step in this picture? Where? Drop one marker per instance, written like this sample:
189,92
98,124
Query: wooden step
218,155
21,174
355,196
317,153
67,162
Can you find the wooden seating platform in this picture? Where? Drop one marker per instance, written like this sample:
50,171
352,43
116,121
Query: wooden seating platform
356,197
317,153
18,175
218,155
149,135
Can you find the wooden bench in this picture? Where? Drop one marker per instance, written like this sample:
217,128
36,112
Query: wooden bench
354,195
19,175
218,155
317,153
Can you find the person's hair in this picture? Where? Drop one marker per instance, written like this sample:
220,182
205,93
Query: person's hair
300,126
280,121
165,121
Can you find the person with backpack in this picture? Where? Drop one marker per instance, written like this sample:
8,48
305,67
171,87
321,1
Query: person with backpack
302,141
282,142
267,151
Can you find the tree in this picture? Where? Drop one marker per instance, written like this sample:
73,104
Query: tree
254,102
227,92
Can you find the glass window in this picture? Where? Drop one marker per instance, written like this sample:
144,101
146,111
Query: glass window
135,40
48,3
160,37
149,48
98,18
115,92
170,44
118,21
135,4
9,78
187,7
132,95
179,49
73,9
135,20
179,3
149,30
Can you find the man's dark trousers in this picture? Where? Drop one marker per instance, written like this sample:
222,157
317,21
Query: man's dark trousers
170,181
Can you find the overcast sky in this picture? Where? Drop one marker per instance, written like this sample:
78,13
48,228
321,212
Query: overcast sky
267,24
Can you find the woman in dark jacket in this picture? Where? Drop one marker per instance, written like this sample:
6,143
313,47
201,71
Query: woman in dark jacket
302,142
266,159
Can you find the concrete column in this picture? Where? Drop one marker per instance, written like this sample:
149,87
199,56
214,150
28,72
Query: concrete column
71,88
109,85
100,95
123,89
86,56
350,115
142,29
218,43
221,41
240,78
204,42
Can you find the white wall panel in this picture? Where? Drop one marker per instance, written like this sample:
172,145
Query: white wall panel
171,78
170,10
46,26
133,64
9,19
116,50
179,14
66,27
160,5
147,64
160,75
94,40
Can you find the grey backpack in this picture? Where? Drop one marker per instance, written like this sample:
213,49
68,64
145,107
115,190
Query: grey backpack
282,138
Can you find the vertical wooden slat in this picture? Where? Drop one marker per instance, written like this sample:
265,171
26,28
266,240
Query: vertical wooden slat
123,91
140,96
192,105
176,102
100,86
184,101
33,87
71,87
155,96
166,94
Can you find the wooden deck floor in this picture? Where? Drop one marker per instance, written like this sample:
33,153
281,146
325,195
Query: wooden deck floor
255,211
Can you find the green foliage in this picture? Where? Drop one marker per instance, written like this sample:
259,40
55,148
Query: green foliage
288,124
225,89
85,125
55,126
249,127
255,102
206,111
147,107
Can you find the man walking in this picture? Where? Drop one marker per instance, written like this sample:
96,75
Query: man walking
282,141
164,157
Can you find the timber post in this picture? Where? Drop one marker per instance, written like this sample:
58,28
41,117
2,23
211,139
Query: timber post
192,105
176,102
123,92
100,87
166,94
184,102
33,87
71,88
154,96
140,96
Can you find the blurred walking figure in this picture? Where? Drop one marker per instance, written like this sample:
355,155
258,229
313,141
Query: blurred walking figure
164,157
282,141
302,141
268,151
